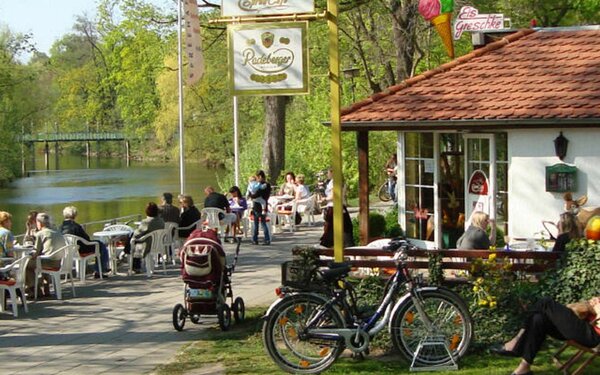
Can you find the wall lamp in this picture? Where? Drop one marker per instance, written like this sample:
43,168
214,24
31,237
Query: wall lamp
561,143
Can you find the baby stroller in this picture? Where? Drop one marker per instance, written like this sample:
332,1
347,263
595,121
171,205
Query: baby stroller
207,282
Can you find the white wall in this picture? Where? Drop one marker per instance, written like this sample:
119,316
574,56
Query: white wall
529,153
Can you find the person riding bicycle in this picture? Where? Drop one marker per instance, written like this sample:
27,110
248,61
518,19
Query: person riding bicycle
391,167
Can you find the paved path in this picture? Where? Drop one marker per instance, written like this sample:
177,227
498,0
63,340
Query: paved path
122,325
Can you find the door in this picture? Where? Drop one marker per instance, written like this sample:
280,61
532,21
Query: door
480,175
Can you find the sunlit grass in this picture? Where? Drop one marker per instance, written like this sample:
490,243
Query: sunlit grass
240,351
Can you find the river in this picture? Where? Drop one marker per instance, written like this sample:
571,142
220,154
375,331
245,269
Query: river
108,189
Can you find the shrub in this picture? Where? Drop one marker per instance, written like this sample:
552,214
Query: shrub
577,275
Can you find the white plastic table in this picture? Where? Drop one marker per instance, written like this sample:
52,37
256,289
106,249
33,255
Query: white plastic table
110,236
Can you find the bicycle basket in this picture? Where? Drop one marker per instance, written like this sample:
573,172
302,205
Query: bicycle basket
297,275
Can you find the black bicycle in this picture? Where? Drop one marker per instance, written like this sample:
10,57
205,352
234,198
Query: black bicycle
305,331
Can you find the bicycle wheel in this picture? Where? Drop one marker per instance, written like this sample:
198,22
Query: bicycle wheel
283,332
450,320
383,193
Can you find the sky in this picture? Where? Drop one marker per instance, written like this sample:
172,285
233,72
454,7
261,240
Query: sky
48,20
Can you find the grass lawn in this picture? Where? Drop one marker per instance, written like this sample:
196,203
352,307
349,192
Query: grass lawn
240,351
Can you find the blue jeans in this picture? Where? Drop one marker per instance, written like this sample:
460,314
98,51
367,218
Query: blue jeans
259,216
103,258
392,188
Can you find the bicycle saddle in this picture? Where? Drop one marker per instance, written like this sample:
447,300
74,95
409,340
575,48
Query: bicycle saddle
335,271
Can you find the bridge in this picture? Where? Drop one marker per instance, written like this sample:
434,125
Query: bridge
72,137
29,141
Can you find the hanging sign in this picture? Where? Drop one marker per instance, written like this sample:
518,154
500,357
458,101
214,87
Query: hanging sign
241,8
268,58
469,19
478,190
193,42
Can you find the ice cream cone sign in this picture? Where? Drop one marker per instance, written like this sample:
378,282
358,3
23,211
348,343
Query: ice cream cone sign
439,13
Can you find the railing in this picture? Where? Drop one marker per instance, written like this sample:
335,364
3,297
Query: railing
117,220
67,137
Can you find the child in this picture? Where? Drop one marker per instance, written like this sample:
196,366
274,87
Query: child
253,186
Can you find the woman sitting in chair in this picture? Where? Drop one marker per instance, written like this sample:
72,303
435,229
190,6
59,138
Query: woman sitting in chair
547,317
151,223
568,228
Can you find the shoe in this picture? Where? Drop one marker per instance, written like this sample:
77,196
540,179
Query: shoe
254,242
266,243
500,350
96,275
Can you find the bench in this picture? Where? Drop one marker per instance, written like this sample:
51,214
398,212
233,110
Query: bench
580,351
530,263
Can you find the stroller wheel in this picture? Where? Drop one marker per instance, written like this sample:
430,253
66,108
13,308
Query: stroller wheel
224,314
195,318
239,310
179,315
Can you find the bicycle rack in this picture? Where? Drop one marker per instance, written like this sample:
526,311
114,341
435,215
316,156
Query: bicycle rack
433,341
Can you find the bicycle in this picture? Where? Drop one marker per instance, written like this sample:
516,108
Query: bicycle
306,330
383,193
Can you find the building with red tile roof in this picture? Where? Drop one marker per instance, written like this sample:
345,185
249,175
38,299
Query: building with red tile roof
498,110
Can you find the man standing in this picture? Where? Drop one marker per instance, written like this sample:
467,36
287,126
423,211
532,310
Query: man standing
167,211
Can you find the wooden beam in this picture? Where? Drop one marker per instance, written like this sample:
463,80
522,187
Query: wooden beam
362,141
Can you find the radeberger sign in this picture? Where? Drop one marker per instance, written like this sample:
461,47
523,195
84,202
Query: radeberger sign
268,58
240,8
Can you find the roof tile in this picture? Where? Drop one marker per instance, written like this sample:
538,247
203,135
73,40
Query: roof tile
544,74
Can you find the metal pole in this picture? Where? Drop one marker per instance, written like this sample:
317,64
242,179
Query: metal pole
336,136
236,151
180,75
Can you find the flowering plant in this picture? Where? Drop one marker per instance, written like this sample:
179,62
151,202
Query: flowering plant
490,277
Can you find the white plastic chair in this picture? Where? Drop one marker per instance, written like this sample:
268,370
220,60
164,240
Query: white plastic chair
287,218
18,268
306,208
66,254
157,246
210,215
81,259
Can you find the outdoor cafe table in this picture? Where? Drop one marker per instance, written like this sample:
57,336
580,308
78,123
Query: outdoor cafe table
110,237
20,251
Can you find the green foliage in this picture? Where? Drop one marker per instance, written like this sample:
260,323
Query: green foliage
577,275
380,226
436,272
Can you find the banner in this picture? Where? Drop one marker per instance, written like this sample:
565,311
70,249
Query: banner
193,42
241,8
469,19
268,58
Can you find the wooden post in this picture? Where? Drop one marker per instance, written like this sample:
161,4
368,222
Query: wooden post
46,156
127,152
87,152
336,134
362,141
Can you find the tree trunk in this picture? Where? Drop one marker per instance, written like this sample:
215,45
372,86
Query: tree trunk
273,157
404,26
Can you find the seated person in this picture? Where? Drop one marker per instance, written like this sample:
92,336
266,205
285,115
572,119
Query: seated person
167,211
151,223
217,200
475,237
70,226
47,240
289,186
30,229
238,205
7,239
547,317
568,228
189,215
